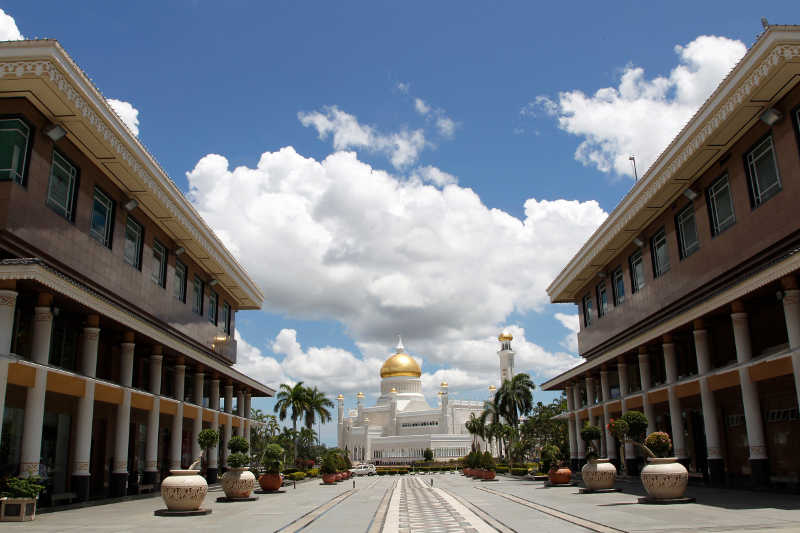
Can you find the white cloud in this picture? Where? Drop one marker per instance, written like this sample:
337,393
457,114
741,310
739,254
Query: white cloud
128,114
618,122
446,126
421,107
572,323
8,28
402,147
404,87
388,255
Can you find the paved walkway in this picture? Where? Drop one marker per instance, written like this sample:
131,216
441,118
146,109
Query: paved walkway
442,503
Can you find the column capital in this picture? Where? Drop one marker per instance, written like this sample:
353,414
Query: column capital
669,348
8,298
700,335
43,314
644,358
156,359
91,334
791,297
604,374
739,319
180,370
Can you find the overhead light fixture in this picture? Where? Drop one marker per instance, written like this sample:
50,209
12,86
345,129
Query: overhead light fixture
213,282
55,132
691,193
771,116
601,274
131,205
764,23
638,242
179,250
779,294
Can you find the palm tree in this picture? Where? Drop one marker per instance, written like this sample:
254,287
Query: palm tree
287,438
294,399
515,398
490,419
317,406
473,425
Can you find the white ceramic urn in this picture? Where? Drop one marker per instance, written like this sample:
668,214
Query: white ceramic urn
184,490
665,478
238,482
599,474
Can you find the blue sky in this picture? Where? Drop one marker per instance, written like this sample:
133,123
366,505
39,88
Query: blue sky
430,125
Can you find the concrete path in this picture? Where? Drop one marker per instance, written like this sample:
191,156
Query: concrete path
453,504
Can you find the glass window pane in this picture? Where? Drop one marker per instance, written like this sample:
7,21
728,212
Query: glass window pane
62,184
197,296
159,266
660,253
764,180
637,271
602,299
687,231
13,149
179,289
226,318
587,310
212,307
619,286
133,243
722,215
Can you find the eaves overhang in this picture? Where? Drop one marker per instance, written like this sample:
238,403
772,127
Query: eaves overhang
43,72
769,70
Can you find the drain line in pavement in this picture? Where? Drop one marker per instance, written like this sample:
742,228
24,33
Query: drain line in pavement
311,516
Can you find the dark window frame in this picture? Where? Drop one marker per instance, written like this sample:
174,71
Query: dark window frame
760,200
197,297
586,302
683,251
618,298
213,303
601,291
712,209
75,188
161,281
635,285
29,151
181,297
140,251
111,217
226,317
659,270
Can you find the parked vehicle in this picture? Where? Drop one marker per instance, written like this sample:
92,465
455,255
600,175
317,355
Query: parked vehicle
364,470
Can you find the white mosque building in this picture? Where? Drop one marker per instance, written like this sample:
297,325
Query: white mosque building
401,424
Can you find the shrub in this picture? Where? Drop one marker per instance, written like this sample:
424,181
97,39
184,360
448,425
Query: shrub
487,462
27,487
382,472
519,471
347,463
296,476
402,472
658,442
310,463
428,454
550,454
238,444
312,472
271,458
238,460
501,469
289,471
637,424
208,438
471,460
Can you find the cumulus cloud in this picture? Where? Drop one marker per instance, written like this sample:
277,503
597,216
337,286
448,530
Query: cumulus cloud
128,114
421,107
8,28
616,122
446,126
387,255
572,323
402,147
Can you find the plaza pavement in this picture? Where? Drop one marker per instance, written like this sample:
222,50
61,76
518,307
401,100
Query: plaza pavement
454,504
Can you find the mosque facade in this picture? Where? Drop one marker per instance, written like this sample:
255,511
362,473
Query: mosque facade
402,424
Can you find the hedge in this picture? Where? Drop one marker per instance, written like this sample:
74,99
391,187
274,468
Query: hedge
502,469
312,472
294,476
387,472
290,470
519,471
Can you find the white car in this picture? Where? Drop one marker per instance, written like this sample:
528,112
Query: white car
364,470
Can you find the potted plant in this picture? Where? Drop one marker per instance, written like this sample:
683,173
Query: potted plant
471,464
238,481
271,461
662,477
328,469
598,473
185,490
464,465
18,503
339,466
488,466
348,465
557,473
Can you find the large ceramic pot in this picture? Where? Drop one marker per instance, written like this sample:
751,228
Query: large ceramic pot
665,478
238,482
479,473
346,474
489,474
559,476
599,474
184,490
330,479
269,482
338,476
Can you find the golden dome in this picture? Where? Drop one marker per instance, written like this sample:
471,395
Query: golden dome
444,384
393,390
360,395
340,397
400,364
505,336
491,387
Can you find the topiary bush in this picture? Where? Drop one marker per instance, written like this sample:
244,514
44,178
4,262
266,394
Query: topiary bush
297,476
519,471
487,462
208,438
501,469
312,472
658,442
271,458
27,488
238,460
238,444
589,434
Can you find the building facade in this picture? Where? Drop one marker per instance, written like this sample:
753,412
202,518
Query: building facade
118,303
401,424
688,293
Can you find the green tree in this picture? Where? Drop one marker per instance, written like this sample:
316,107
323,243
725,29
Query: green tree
292,402
474,426
515,398
318,406
428,455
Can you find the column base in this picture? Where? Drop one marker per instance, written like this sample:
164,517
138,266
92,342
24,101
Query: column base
759,469
632,467
149,478
716,470
80,486
615,461
211,476
118,485
573,465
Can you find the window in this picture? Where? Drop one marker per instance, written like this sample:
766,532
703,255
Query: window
687,232
658,244
63,346
14,135
133,243
197,296
102,216
587,310
618,286
226,318
637,271
720,205
762,168
602,299
158,272
212,307
179,289
61,191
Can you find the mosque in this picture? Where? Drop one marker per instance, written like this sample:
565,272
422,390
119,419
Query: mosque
401,424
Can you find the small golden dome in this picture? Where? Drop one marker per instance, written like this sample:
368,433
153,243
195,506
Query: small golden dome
491,387
360,395
505,336
400,364
444,384
440,393
340,397
393,390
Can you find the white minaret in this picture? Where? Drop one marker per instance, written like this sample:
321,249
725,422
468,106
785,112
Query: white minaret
340,425
444,399
506,356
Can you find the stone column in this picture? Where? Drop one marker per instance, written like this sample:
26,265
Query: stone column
759,462
644,377
213,453
791,312
340,423
150,476
240,412
573,443
8,303
81,475
675,410
34,401
197,423
367,441
716,464
631,462
611,446
226,436
118,482
247,412
591,399
176,434
578,426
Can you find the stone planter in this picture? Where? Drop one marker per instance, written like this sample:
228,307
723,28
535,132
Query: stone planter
17,509
599,474
338,476
269,482
238,482
559,476
665,478
184,490
330,479
489,474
